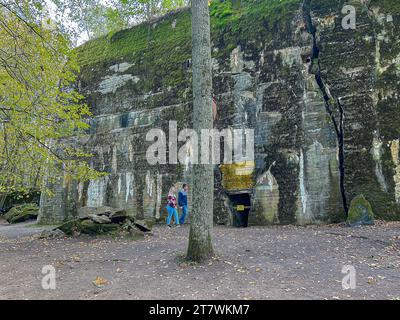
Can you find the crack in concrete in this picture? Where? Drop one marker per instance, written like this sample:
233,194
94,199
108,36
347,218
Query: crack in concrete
338,124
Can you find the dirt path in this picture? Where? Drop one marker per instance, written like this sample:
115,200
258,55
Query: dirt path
283,262
19,230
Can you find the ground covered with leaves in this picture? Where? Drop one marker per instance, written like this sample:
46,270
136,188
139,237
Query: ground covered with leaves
279,262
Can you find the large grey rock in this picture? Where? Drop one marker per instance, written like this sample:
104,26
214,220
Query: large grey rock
52,234
84,212
107,211
120,216
76,227
71,227
22,213
92,228
95,220
99,219
145,225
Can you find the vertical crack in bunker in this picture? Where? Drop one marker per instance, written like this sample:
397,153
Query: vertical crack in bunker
333,106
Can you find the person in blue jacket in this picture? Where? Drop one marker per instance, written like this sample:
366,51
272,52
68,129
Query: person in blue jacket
182,202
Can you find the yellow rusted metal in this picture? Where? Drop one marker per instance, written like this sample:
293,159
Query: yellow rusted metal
238,176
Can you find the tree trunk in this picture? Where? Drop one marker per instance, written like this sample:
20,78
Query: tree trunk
201,222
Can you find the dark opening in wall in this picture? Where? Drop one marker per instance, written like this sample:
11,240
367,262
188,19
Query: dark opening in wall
241,205
124,120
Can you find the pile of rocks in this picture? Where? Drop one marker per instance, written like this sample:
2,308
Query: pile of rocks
21,213
102,220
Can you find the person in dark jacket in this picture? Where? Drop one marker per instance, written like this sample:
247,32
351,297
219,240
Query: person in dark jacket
182,202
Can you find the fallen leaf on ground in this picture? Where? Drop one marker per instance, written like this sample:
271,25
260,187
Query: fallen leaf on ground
99,281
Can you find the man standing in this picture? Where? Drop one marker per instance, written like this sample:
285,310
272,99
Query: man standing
182,202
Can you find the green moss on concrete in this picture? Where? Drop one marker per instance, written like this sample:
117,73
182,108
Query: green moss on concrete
131,43
360,212
267,13
361,179
258,20
389,6
158,49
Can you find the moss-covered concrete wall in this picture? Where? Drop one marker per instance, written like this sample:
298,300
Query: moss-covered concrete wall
140,78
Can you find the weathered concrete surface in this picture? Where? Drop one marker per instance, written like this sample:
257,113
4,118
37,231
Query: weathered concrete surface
139,79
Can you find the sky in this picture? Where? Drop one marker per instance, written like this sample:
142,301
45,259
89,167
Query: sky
52,13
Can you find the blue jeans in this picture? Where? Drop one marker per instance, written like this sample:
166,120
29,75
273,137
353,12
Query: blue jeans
184,213
172,211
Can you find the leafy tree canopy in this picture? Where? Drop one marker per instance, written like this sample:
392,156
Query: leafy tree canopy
39,110
93,18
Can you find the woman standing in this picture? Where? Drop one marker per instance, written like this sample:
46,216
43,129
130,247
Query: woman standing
171,207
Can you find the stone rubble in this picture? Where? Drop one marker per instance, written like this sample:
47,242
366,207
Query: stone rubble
103,220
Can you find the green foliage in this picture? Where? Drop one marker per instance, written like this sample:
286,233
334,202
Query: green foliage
95,18
37,105
22,213
17,197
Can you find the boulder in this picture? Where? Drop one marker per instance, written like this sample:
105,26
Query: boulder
84,212
71,227
87,226
22,213
99,219
52,234
360,212
92,228
119,216
103,220
107,211
127,225
131,218
144,225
